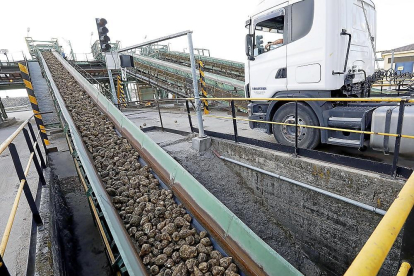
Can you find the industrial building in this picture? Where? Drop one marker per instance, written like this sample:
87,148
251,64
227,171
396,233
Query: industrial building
403,59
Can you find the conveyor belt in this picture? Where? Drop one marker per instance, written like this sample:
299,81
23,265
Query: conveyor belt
250,253
209,76
217,66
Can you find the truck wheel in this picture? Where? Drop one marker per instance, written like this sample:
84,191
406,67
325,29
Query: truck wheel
308,138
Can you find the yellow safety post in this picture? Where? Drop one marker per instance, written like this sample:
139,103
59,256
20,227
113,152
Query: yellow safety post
120,92
203,87
389,100
372,255
33,101
404,268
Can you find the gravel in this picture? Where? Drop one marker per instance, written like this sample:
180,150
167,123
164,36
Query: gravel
9,102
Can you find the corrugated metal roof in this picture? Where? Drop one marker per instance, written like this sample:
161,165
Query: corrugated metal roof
401,49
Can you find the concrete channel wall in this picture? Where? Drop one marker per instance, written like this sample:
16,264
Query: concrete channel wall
329,231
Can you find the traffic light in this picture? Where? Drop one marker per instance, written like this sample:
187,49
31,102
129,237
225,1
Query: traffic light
102,32
259,44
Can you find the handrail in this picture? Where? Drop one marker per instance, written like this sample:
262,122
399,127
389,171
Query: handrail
394,100
315,127
401,102
10,139
404,268
373,254
33,146
13,212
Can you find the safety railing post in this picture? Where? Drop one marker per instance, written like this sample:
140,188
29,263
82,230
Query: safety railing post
296,128
26,188
39,152
3,268
233,114
35,161
24,72
407,245
159,113
398,138
189,116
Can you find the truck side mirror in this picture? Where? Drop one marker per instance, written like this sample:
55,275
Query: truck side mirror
249,46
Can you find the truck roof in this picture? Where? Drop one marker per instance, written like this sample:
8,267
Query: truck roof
267,4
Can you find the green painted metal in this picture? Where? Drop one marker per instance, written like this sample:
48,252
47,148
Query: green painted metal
97,53
119,235
220,82
235,64
180,78
42,45
232,226
222,67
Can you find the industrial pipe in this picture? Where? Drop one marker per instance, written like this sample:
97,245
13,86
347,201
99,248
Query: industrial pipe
306,186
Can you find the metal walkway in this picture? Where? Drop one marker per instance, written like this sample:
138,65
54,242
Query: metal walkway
42,93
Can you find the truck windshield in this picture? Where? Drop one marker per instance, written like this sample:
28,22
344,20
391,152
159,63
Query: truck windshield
269,35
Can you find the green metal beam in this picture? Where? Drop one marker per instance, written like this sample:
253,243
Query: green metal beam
233,228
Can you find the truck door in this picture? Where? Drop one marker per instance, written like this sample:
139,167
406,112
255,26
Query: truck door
268,69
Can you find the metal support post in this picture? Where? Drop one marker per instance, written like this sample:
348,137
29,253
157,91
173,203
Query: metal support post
189,116
26,188
203,86
195,86
113,92
407,246
39,152
392,66
296,128
398,138
3,268
233,114
159,113
36,162
24,72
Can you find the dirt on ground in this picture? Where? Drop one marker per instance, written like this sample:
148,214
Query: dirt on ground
233,192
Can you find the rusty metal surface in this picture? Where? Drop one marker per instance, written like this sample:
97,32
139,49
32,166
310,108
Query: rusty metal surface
170,172
121,237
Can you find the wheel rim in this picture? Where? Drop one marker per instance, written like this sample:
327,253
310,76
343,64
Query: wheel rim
288,131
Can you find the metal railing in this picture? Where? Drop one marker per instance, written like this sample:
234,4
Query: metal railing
373,254
402,102
91,79
37,158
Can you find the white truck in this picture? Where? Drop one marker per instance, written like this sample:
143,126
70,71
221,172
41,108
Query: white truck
318,49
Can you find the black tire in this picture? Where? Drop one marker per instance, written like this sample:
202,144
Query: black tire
308,138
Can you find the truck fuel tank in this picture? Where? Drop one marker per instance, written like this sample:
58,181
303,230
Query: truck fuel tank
385,120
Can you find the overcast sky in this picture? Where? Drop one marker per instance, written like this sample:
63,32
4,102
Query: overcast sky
217,24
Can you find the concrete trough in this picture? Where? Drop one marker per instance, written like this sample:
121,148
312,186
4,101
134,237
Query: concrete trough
318,234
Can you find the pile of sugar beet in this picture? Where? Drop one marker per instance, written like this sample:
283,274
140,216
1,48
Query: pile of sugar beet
161,229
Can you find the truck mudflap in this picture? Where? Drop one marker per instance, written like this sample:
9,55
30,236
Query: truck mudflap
385,120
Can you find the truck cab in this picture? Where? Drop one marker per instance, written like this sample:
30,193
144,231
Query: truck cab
310,49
